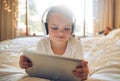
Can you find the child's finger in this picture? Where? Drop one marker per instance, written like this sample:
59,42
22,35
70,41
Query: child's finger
25,62
82,75
82,64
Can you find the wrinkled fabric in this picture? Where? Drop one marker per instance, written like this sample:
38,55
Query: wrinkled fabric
102,54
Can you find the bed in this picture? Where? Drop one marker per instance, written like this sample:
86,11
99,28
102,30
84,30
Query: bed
101,52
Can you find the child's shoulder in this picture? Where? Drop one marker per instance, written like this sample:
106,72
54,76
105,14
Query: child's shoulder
74,41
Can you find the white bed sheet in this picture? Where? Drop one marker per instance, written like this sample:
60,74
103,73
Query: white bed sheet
102,54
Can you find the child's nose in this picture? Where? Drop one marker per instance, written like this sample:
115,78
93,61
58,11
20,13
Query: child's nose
61,31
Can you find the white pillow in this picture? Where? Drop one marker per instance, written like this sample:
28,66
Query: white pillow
114,33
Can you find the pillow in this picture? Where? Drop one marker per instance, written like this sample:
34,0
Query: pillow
114,33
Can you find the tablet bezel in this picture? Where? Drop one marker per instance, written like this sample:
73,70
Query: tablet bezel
52,67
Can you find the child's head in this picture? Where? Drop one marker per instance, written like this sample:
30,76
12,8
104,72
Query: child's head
60,23
62,10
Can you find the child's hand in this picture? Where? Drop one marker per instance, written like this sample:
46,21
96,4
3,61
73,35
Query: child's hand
82,71
24,62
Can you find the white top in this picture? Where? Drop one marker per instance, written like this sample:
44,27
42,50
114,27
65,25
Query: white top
74,48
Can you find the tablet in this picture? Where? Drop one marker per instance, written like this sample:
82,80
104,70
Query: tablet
52,67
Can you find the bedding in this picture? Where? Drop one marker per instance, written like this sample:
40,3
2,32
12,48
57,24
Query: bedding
114,33
102,54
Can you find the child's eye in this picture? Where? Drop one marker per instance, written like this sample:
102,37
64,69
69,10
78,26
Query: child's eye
66,28
54,28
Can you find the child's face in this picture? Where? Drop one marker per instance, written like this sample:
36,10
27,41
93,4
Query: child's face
60,28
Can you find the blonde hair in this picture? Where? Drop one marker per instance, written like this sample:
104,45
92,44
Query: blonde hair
62,10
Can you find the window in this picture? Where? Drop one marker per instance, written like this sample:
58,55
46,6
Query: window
35,8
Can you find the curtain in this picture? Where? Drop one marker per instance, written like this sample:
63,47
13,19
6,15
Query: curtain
117,14
8,19
103,14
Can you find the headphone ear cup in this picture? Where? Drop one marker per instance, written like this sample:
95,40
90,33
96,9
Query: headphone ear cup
72,28
46,28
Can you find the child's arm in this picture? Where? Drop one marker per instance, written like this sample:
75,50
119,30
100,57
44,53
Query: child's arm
24,62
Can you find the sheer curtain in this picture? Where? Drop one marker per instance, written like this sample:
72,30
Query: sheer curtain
103,14
82,10
8,19
92,16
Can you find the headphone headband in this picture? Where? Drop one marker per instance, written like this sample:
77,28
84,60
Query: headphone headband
54,9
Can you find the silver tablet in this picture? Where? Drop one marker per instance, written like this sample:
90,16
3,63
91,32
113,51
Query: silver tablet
57,68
